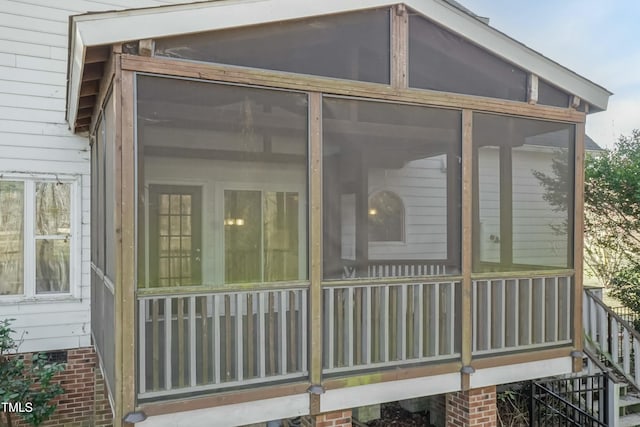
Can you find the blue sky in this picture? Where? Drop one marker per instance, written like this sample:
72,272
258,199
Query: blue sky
598,39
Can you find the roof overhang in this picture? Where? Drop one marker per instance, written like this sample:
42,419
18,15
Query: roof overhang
104,29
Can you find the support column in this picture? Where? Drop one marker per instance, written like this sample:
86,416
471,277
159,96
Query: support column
472,408
328,419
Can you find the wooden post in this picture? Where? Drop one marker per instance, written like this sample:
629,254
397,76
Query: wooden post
125,333
399,46
315,250
532,89
467,244
578,236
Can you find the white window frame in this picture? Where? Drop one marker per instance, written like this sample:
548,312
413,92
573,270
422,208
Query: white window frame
30,236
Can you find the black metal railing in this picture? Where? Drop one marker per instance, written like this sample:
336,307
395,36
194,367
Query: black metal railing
628,315
580,401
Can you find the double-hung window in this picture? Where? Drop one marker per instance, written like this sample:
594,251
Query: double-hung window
37,236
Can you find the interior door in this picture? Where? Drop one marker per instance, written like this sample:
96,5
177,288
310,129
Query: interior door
175,235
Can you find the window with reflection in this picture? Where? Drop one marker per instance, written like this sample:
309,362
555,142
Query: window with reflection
523,194
354,46
224,174
390,171
386,217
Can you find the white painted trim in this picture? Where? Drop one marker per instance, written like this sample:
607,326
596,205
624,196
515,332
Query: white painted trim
371,394
238,414
113,27
521,372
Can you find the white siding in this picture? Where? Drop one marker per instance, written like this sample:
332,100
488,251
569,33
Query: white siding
35,139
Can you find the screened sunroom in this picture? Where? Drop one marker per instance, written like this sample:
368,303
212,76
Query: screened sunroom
297,200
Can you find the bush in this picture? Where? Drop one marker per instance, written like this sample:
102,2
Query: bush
25,383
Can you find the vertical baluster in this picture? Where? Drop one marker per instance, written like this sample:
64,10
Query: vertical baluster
283,333
303,329
489,319
248,339
556,313
502,306
636,360
474,316
452,316
615,341
350,338
543,318
142,335
181,347
271,328
384,308
420,320
567,309
403,322
626,351
293,349
516,311
530,312
192,341
436,316
216,352
592,319
155,319
367,324
359,340
167,343
262,341
603,331
331,320
205,339
239,336
376,327
228,337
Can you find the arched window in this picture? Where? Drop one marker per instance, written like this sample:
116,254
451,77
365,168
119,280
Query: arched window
386,217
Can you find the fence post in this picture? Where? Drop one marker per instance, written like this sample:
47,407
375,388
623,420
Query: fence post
613,400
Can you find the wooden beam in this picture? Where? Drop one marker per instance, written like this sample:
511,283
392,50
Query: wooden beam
92,71
222,399
90,88
146,47
97,54
105,85
532,89
399,46
466,306
305,83
396,374
578,239
575,101
315,241
87,101
532,355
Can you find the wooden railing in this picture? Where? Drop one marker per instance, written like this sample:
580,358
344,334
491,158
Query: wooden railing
612,337
198,342
519,313
381,325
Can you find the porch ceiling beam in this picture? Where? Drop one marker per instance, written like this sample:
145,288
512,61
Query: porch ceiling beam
306,83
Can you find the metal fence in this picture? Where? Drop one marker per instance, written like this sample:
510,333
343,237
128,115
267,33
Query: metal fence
580,401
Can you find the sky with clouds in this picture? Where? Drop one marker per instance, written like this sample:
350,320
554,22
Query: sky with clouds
598,39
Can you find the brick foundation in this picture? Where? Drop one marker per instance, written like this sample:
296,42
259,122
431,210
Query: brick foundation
328,419
473,408
85,402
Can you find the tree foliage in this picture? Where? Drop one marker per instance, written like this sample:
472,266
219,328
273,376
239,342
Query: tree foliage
612,210
26,382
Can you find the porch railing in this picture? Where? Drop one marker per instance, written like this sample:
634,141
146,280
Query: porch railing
612,337
520,313
380,325
198,342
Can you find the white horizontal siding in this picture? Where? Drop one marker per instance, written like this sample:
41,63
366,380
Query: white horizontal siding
34,138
